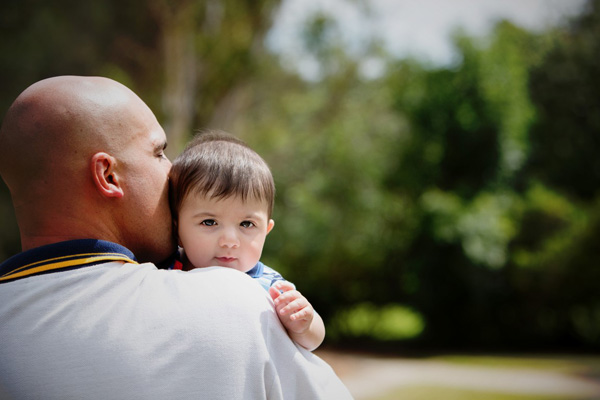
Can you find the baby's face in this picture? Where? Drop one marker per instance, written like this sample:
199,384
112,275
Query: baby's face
223,232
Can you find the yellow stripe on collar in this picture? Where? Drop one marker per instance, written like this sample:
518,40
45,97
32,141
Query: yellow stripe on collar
70,256
55,264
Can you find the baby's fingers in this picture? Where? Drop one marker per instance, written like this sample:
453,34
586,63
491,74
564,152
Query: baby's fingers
274,292
304,313
283,286
294,307
279,288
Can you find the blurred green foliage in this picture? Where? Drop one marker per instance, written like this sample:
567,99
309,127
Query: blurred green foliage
457,206
390,322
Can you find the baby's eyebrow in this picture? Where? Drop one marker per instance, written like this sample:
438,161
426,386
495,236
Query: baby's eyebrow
254,215
203,214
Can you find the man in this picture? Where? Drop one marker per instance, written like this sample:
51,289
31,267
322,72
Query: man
84,160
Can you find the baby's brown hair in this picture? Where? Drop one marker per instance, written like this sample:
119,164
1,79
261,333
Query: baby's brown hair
219,165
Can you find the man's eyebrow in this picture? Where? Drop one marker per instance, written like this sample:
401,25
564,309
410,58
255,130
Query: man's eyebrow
161,145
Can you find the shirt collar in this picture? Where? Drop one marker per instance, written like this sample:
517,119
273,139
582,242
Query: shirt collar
63,256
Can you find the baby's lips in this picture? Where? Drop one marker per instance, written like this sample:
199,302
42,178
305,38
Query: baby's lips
226,259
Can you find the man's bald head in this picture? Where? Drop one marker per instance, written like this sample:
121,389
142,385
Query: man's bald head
56,124
83,158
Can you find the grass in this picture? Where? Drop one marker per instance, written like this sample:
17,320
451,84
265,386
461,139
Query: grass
572,365
445,393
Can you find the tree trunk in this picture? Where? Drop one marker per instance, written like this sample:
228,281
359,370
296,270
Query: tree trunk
180,79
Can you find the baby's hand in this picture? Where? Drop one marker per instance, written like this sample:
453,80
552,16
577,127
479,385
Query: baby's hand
294,311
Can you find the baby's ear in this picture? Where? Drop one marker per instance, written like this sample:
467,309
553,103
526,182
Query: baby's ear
270,226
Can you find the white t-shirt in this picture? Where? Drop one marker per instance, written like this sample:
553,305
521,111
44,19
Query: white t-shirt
119,330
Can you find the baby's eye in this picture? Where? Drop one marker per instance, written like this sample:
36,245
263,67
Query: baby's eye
247,224
208,222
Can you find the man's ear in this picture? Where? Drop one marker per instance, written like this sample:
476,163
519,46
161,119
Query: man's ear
104,175
270,226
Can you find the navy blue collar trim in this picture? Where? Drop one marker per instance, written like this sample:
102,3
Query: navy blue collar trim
63,256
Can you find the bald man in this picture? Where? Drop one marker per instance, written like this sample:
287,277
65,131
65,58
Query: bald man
85,313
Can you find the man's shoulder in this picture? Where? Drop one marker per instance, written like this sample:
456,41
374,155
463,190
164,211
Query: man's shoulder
216,280
215,296
217,273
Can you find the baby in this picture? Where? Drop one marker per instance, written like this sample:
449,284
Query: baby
222,194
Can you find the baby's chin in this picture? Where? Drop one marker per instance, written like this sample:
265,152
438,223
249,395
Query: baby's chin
223,262
231,263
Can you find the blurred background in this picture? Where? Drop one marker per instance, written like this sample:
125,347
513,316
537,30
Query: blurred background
436,162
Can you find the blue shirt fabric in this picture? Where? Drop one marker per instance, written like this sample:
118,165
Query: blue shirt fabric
264,275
